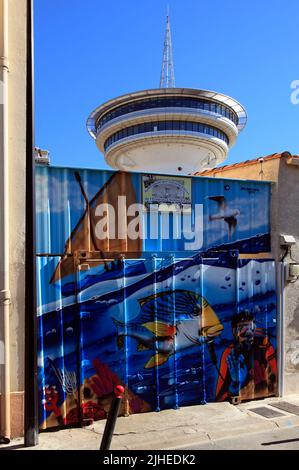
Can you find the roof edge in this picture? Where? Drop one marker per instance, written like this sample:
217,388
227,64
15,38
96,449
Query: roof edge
223,168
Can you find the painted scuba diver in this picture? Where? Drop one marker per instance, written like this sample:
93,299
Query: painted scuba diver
171,321
248,367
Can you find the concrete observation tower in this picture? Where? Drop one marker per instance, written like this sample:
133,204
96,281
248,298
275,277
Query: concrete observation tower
168,129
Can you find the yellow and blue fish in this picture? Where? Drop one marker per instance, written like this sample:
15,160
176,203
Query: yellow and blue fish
170,321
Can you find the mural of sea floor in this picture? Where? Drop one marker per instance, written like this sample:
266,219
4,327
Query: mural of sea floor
174,332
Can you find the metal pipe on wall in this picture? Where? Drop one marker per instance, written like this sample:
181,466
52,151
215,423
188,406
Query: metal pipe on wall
4,225
31,392
281,339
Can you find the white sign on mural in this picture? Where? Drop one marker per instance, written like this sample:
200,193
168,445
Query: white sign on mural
166,192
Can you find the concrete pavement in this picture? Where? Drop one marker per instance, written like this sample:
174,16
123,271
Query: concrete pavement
170,429
277,439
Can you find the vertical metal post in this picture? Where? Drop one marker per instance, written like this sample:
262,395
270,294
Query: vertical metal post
203,397
236,400
173,259
154,258
126,347
31,395
78,323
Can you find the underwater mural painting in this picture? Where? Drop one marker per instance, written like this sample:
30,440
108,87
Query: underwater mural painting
175,326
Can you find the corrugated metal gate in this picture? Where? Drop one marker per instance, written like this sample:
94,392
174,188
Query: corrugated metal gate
178,321
175,332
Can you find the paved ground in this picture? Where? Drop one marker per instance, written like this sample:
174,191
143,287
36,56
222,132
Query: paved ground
210,426
279,439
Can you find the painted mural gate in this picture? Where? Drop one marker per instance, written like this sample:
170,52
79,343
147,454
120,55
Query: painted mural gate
176,327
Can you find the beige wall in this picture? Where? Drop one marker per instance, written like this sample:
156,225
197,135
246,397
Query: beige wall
284,220
17,155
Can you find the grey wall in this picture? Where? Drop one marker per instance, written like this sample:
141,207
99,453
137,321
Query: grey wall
286,218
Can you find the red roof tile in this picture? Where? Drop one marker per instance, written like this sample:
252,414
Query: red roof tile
242,164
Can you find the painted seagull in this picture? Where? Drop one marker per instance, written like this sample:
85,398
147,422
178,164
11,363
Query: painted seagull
226,213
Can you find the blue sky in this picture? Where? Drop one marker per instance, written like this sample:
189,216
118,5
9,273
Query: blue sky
88,51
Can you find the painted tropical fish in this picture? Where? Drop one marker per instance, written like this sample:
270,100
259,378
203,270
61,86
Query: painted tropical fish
170,321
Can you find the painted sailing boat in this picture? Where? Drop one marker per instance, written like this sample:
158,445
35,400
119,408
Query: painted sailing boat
83,236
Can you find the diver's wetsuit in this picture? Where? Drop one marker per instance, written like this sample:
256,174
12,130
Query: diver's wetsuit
261,377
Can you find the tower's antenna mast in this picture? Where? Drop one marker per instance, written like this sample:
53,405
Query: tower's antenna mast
167,71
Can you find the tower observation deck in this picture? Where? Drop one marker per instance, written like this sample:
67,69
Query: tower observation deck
168,129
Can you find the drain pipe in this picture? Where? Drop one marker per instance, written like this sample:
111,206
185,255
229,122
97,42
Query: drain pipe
4,223
31,388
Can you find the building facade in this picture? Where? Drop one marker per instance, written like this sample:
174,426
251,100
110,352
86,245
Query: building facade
12,211
280,168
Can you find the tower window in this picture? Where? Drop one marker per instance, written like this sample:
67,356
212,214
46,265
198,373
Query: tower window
175,126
